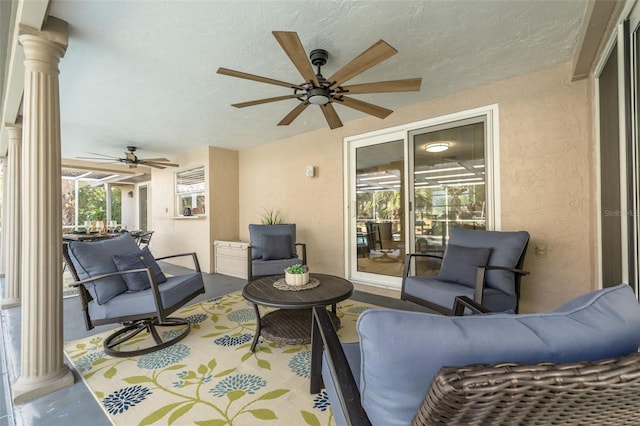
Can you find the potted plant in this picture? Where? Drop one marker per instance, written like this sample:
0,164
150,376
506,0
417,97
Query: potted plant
296,275
272,217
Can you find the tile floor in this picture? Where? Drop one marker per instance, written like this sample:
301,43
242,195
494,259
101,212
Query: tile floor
76,405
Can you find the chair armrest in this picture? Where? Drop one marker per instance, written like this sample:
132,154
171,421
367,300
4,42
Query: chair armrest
462,302
192,254
409,256
324,336
304,252
506,268
111,274
480,278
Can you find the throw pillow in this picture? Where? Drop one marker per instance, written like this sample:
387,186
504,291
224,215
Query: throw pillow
460,264
275,247
139,259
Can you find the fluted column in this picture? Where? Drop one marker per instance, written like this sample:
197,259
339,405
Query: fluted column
42,368
11,220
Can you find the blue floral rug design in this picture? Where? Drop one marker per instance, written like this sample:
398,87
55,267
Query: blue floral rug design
210,377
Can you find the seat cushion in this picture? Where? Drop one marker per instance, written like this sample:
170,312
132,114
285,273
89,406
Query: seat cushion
95,258
507,247
138,259
276,247
402,351
173,291
443,293
460,264
352,352
256,233
272,267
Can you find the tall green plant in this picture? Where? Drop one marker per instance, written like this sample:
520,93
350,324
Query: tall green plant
271,217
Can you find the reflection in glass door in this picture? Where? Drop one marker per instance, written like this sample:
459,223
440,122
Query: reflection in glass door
448,185
379,208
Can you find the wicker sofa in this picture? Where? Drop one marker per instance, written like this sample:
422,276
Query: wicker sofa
576,365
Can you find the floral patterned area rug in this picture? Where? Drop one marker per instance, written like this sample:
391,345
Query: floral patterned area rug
210,377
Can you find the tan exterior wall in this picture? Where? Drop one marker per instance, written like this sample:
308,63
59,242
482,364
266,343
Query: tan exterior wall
547,179
174,234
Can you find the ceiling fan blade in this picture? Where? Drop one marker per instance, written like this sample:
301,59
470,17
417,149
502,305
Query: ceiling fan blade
290,43
101,155
246,76
377,53
293,114
365,107
98,159
266,100
331,116
156,164
156,159
408,85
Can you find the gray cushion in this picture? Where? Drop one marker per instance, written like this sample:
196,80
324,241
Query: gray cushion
276,247
172,292
402,351
137,260
507,247
460,264
95,258
256,233
272,267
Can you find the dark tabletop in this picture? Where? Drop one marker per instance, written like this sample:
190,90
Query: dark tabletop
331,290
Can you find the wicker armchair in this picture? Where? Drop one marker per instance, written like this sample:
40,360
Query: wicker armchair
404,382
581,393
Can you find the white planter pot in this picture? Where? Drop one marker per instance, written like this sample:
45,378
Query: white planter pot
296,279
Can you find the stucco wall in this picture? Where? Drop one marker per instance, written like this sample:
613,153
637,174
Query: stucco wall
174,234
171,235
547,179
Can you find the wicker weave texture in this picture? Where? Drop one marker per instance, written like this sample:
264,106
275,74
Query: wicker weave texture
604,392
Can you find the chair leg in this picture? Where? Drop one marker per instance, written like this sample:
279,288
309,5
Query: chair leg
114,342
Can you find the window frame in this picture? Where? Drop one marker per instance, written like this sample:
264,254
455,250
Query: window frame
198,194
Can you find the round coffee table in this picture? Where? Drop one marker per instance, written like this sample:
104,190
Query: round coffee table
291,323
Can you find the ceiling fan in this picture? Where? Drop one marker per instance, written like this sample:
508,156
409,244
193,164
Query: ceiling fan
325,92
132,160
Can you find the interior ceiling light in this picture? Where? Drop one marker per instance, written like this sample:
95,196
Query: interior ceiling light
437,147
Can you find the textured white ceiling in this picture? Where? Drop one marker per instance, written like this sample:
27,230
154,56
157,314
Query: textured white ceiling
143,73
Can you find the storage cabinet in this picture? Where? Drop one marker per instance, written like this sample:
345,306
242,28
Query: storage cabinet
231,258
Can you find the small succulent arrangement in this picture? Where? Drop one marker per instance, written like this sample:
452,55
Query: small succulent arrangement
297,269
296,275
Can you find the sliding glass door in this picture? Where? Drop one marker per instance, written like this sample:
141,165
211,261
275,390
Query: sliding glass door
409,186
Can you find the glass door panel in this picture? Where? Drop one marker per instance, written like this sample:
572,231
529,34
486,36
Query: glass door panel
379,221
448,185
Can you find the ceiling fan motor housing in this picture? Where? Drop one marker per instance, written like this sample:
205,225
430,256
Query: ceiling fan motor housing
319,57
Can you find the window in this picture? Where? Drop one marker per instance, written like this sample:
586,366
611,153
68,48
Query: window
190,191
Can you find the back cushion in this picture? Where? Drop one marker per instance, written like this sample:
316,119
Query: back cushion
139,259
460,264
402,351
95,258
256,233
507,247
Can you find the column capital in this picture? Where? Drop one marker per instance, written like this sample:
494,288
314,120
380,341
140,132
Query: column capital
54,30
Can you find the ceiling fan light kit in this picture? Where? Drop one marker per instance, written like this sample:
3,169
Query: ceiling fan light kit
317,90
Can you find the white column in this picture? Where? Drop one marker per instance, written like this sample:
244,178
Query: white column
42,368
11,221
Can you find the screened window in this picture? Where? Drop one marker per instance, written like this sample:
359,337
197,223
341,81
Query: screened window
190,191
